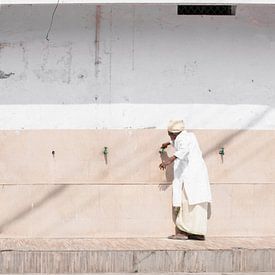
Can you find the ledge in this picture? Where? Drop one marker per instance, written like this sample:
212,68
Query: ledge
137,255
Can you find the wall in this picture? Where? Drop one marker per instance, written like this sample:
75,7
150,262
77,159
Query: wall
113,76
7,2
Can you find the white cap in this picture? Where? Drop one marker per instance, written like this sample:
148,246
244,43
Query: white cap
175,126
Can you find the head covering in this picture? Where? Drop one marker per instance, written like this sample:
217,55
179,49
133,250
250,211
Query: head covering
175,126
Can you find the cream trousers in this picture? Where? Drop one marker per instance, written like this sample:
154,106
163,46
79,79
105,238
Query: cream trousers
192,218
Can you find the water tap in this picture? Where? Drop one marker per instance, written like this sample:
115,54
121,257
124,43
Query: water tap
221,152
105,151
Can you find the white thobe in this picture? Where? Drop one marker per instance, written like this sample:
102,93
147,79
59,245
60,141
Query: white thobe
189,170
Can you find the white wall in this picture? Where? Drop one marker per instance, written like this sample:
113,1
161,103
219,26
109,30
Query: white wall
138,1
215,72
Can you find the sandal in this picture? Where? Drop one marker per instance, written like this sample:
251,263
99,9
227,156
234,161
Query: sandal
196,237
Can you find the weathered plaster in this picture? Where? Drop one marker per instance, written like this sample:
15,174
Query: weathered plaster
106,66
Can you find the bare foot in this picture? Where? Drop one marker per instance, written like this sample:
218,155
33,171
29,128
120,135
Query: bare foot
178,237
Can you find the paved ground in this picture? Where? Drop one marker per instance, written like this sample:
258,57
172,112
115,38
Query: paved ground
135,244
175,273
64,256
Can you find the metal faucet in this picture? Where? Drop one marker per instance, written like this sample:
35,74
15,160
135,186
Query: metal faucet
221,152
105,151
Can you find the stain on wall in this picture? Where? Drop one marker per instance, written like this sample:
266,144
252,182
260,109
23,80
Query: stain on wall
4,75
97,39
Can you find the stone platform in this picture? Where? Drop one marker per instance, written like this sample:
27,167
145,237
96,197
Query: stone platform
144,255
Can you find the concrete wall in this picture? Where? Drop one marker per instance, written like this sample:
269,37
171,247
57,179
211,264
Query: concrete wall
113,76
146,59
213,2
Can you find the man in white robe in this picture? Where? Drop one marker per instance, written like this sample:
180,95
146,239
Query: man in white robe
191,188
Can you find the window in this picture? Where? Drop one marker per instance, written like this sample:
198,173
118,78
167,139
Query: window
206,10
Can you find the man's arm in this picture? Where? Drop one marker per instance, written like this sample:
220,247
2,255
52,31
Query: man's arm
165,145
169,161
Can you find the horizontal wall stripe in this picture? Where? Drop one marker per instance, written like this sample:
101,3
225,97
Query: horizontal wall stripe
136,116
128,211
26,157
123,183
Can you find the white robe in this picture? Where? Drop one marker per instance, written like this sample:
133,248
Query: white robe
190,170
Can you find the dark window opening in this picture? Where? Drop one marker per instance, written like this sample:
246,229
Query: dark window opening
206,10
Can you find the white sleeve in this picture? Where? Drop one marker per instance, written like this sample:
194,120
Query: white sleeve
182,149
177,189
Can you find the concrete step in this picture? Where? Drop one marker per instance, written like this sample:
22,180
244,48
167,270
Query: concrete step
57,256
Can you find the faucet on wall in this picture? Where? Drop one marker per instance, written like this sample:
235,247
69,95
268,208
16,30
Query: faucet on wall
221,152
105,153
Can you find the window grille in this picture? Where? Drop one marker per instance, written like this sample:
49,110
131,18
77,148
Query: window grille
206,10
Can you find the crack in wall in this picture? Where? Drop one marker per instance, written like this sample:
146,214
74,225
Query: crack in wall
110,56
97,39
133,38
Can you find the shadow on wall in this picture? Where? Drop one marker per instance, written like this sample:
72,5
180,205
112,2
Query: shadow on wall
226,140
135,60
169,173
219,144
27,211
47,199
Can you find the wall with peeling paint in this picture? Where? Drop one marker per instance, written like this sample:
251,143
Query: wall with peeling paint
121,61
126,66
138,1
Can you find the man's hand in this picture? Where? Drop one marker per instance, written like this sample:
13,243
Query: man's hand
164,164
165,145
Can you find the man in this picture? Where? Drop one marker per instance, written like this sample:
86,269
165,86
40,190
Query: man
191,188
